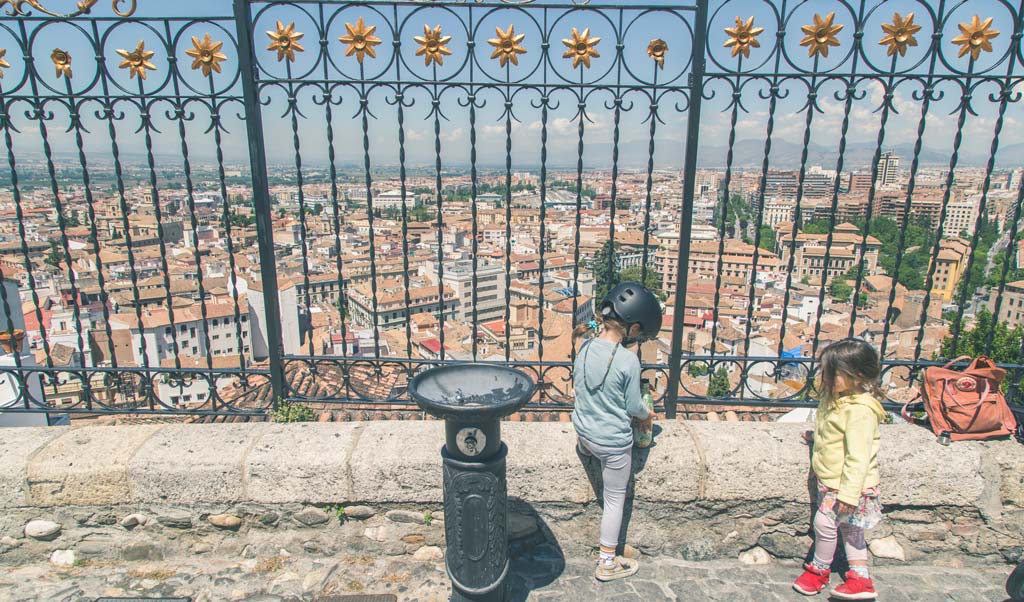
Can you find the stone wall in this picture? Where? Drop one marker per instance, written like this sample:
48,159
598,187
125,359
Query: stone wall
703,491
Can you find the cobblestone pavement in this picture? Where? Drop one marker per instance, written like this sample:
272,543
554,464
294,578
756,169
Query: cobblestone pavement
539,576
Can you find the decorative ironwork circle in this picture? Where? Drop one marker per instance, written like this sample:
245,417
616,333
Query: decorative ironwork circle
206,54
360,40
657,50
433,46
743,37
899,34
507,46
975,37
285,40
821,35
137,61
62,61
581,48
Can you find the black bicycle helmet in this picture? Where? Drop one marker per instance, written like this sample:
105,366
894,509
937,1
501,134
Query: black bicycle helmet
631,303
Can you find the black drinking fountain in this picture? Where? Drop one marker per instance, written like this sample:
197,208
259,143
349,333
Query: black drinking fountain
472,399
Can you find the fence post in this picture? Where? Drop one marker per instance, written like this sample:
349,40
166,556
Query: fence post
261,197
686,219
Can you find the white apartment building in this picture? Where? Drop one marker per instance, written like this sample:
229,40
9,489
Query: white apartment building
961,216
490,289
778,210
187,331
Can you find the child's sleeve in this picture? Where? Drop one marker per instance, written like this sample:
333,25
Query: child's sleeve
859,436
634,401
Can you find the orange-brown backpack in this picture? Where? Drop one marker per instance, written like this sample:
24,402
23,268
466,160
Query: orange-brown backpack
968,403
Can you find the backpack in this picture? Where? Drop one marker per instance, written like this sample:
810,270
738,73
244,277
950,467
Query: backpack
968,403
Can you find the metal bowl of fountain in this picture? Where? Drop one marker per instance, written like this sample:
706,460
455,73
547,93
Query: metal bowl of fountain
471,392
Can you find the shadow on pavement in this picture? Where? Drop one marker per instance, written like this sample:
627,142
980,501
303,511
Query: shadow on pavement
536,560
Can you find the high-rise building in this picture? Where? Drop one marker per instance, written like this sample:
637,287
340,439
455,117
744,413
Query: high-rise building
888,169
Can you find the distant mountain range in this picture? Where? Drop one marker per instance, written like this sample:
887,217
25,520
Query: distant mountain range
669,154
784,155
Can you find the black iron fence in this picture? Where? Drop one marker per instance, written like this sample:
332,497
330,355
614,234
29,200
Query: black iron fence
211,211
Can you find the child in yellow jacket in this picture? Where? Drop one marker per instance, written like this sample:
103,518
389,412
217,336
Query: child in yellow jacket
845,462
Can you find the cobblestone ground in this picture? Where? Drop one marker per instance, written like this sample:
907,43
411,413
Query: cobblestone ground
539,575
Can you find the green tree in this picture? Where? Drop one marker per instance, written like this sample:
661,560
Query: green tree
719,385
697,369
974,339
54,255
605,275
839,290
767,238
652,282
815,226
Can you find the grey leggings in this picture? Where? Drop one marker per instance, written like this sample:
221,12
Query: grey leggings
825,529
616,464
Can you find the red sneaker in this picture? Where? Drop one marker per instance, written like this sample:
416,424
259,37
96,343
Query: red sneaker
855,588
812,581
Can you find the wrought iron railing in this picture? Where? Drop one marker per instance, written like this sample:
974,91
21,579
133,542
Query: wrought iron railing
200,223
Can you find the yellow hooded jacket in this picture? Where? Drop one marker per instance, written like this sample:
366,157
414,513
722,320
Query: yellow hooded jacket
846,440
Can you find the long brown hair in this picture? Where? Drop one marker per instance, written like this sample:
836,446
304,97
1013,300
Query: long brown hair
855,359
596,324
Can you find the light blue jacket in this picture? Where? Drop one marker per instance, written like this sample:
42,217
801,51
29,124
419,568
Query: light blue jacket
602,413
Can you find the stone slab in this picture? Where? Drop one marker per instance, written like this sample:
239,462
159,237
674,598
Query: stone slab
542,463
17,446
398,462
315,468
917,471
672,465
753,461
86,465
191,462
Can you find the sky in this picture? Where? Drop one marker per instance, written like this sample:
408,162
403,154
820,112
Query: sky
633,27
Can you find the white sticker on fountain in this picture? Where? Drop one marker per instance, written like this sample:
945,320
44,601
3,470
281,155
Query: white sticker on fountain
471,441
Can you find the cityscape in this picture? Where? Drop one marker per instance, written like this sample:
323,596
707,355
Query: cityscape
180,270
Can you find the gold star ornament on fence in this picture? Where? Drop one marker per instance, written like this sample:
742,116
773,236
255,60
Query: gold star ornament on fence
433,46
975,37
360,40
743,37
137,61
899,34
821,35
581,48
3,64
285,40
206,54
62,61
507,46
657,50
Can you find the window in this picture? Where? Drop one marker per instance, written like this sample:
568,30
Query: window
216,337
175,399
201,396
168,331
188,398
244,318
215,322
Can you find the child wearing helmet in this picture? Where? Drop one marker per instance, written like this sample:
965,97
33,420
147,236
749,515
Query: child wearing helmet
606,381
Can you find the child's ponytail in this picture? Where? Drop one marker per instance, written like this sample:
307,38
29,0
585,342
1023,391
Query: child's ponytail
584,329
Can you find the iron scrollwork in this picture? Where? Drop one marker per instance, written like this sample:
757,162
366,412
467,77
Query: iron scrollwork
84,7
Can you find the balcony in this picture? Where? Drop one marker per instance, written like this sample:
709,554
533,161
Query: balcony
214,212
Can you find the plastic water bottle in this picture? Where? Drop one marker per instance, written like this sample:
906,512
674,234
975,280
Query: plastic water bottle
641,436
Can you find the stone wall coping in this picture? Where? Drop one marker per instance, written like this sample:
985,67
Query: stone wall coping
399,463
